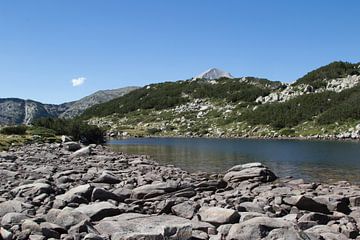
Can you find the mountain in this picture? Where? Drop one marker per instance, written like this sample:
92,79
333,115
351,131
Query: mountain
20,111
78,107
322,103
213,73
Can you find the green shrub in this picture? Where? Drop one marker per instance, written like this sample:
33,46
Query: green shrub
153,131
333,70
14,130
287,132
77,129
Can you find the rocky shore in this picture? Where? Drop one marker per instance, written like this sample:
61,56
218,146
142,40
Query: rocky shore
62,191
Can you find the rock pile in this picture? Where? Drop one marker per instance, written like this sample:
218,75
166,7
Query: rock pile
49,192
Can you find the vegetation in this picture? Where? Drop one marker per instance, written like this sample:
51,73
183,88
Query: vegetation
333,70
169,94
328,107
14,130
77,129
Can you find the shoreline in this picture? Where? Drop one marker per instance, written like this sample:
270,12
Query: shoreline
334,139
52,190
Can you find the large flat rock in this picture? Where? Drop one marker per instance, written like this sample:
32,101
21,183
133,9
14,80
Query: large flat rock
139,226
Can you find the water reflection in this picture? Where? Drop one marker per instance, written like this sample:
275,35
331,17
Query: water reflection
311,160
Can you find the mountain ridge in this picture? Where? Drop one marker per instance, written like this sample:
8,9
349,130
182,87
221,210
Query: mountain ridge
24,111
326,104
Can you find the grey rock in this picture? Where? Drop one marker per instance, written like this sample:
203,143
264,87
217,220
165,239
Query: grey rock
185,210
152,190
72,146
103,195
81,190
99,210
256,228
217,215
32,189
107,177
10,206
138,226
306,203
253,171
5,234
10,219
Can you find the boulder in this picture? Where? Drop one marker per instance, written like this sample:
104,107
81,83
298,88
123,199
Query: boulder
67,218
103,195
81,190
306,203
152,190
138,226
99,210
257,228
13,218
107,177
185,210
217,215
251,171
85,151
10,207
72,146
32,189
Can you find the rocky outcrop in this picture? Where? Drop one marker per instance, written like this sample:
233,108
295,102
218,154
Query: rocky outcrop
20,111
292,91
213,73
105,195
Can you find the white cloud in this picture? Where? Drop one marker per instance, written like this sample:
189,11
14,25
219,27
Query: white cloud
78,81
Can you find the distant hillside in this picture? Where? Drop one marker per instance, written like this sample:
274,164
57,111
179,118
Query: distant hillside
171,94
20,111
323,103
319,77
98,97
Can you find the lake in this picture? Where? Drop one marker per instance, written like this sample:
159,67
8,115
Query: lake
324,161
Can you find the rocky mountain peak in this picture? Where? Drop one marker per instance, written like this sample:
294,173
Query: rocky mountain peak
214,73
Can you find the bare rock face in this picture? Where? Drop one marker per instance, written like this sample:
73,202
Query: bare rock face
20,111
213,73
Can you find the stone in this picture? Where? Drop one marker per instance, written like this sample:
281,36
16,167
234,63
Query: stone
5,234
81,190
138,226
10,206
10,219
99,210
51,230
68,218
72,146
103,195
152,190
256,228
107,177
306,203
85,151
32,189
185,210
253,171
217,215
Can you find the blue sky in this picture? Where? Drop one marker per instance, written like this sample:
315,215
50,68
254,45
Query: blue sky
45,44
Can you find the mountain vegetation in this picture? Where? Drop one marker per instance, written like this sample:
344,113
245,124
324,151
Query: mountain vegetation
318,77
170,94
228,107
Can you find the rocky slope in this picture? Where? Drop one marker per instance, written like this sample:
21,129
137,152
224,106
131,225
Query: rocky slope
48,191
321,104
19,111
213,73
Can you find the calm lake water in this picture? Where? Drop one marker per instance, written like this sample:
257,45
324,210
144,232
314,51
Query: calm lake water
325,161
